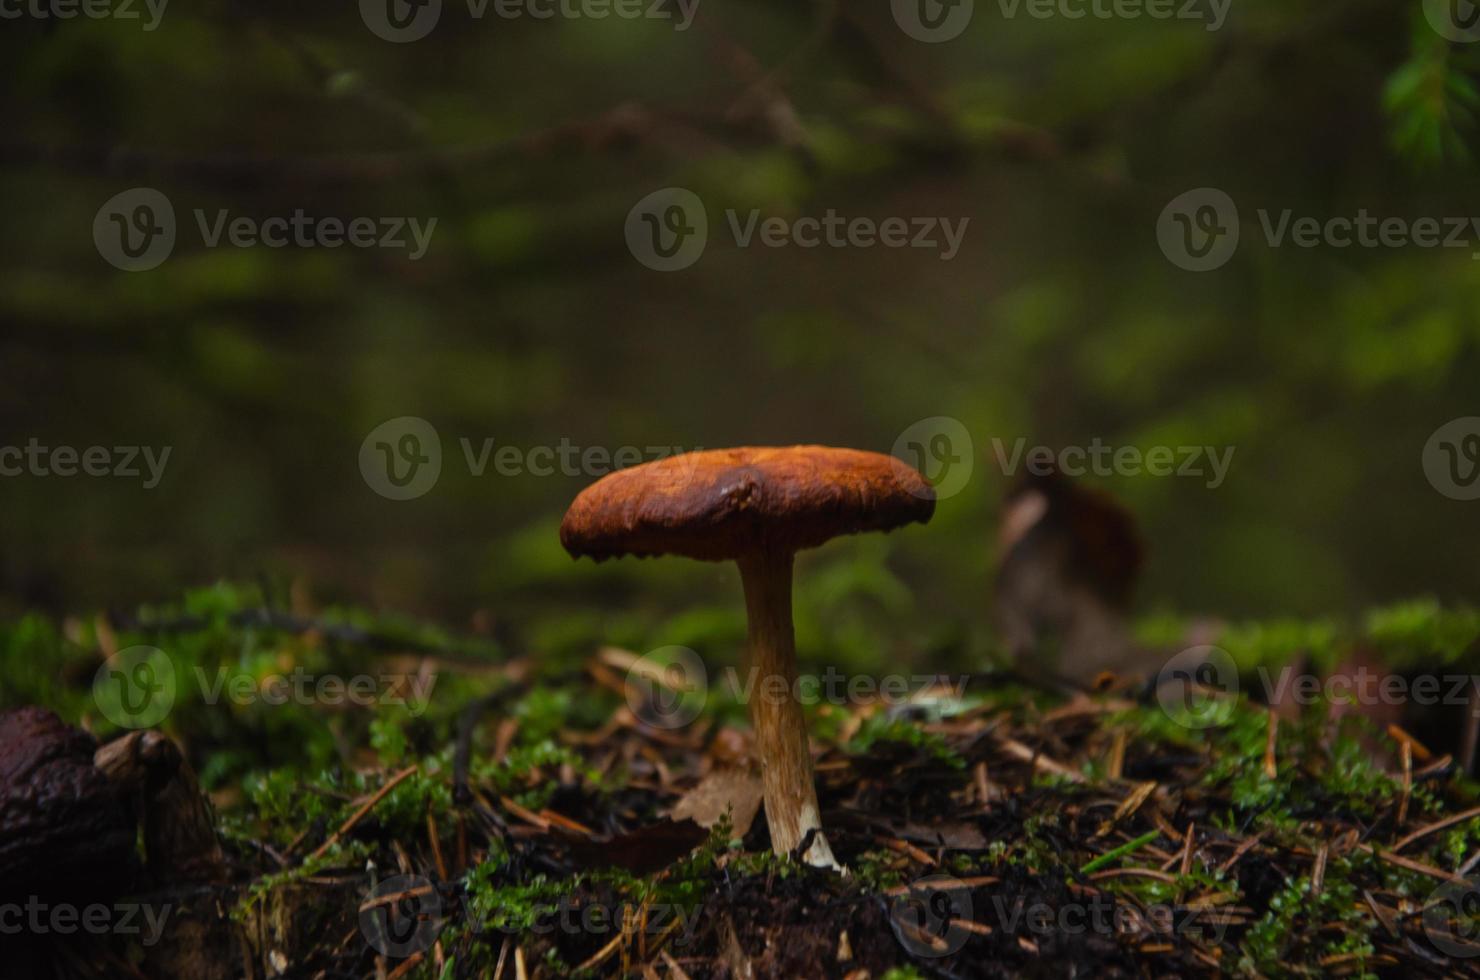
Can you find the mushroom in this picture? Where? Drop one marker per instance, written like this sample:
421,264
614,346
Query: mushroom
756,506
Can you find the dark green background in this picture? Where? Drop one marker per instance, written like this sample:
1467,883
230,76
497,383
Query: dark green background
528,320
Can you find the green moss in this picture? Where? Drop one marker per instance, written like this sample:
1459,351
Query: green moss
260,891
1421,631
881,728
1300,925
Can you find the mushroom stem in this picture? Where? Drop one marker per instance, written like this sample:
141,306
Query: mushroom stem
780,727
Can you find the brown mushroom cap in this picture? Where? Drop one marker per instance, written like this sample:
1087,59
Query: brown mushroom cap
723,504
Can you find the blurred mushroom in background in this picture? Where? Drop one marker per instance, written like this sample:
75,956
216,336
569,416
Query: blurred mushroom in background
1068,560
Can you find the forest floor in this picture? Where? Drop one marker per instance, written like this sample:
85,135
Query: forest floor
538,825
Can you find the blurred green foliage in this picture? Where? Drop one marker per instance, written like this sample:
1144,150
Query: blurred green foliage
528,322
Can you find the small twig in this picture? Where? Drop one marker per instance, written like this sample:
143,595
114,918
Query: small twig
365,808
983,784
1406,753
907,849
528,816
1115,766
1410,864
391,898
1472,732
435,838
1133,801
603,954
944,886
1318,872
1437,826
1420,751
1271,738
407,965
1020,751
